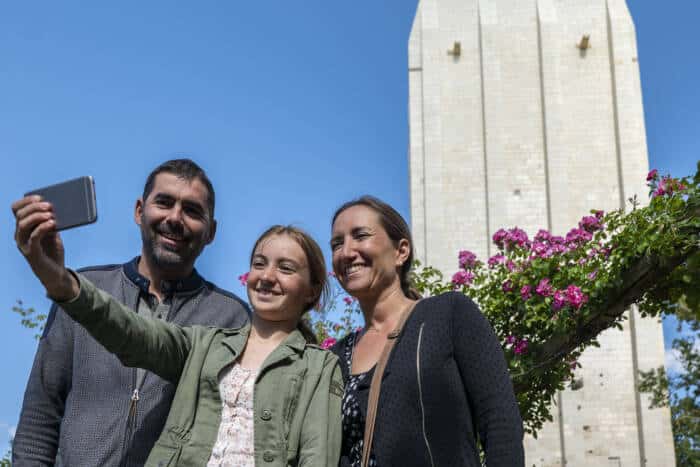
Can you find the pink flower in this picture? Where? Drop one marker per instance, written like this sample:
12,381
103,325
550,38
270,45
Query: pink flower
507,239
243,278
526,292
541,249
577,236
348,300
510,265
591,275
521,347
517,237
590,223
462,278
495,260
499,237
599,214
507,286
328,342
556,240
652,175
667,186
559,301
558,248
575,296
544,288
543,236
467,259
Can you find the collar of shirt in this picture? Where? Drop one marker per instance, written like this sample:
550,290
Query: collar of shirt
184,285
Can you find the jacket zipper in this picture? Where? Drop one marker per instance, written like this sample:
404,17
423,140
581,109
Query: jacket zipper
133,405
420,395
130,422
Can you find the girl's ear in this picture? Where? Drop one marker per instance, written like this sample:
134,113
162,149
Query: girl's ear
312,297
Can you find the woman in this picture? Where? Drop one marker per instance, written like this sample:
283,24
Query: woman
446,383
258,395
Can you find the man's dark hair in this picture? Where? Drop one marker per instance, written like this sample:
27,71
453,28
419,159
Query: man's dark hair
185,169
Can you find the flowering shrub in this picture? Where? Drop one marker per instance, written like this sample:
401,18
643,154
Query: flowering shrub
664,185
549,296
329,329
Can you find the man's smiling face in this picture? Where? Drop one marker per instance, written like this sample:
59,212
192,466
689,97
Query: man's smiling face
175,222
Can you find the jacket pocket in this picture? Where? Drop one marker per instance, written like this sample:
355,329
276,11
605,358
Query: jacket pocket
168,449
163,456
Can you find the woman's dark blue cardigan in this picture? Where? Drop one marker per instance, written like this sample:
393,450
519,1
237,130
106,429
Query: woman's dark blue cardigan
432,416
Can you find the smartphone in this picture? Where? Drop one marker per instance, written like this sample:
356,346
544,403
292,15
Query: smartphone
73,202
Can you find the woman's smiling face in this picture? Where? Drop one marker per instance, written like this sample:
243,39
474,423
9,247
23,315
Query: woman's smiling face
279,286
365,259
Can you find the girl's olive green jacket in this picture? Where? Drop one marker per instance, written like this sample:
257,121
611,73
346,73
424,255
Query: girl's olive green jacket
297,394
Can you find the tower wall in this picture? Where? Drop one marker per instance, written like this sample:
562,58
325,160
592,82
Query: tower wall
525,129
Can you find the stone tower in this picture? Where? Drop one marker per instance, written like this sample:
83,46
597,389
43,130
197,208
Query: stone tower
529,113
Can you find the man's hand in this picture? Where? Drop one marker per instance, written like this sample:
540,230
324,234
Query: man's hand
41,246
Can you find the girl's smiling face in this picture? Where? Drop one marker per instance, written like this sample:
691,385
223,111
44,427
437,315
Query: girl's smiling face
279,285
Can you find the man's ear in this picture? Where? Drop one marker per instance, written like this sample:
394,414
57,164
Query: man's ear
403,250
212,231
138,211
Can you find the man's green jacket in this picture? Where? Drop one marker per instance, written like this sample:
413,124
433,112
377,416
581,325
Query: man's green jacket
297,393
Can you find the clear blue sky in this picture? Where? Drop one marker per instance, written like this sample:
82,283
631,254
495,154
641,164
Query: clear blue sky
292,108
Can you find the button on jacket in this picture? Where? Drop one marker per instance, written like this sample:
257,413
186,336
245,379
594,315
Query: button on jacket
77,405
297,392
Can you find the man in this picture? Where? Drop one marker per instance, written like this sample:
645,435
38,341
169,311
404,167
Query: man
83,408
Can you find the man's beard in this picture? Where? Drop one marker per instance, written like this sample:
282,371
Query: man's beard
160,255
